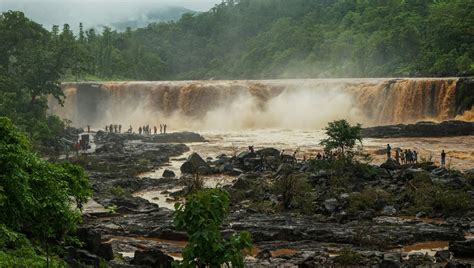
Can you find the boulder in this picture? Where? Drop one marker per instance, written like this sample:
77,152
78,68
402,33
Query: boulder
268,152
194,164
168,174
457,264
246,154
462,248
389,211
152,257
331,205
391,164
442,255
439,171
388,263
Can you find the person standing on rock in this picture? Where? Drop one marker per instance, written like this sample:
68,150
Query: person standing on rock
88,129
402,156
106,128
397,155
443,159
389,153
154,130
164,129
111,128
140,130
120,128
415,157
161,129
130,130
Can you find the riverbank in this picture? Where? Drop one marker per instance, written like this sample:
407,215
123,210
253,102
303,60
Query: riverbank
365,215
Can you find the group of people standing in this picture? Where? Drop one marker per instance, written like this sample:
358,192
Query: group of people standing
113,128
408,156
142,130
147,130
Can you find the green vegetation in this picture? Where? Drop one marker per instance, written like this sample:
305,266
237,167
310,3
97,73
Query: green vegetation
295,191
347,257
286,39
342,138
35,200
432,197
369,198
32,61
201,217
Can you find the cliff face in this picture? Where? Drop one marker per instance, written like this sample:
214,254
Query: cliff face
268,103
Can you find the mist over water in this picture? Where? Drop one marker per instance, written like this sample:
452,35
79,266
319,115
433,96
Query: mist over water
299,108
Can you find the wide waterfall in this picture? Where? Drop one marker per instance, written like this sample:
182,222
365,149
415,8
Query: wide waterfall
245,104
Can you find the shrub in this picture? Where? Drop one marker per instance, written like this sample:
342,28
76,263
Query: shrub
120,191
348,257
201,217
428,196
369,198
296,192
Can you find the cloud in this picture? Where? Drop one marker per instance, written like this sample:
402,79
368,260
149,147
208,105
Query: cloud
95,12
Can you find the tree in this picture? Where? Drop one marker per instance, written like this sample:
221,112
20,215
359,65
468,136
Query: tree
201,217
342,137
36,196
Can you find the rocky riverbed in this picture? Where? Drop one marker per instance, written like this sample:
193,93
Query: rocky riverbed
300,213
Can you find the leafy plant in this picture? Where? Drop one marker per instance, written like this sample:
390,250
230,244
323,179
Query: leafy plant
36,196
296,192
342,138
200,217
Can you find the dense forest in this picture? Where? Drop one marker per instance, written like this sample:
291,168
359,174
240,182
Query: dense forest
240,39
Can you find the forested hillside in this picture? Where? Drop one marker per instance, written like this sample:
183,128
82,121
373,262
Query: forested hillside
240,39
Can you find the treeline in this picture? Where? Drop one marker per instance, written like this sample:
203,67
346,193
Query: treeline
280,39
242,39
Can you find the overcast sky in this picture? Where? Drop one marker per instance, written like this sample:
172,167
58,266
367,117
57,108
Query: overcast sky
94,12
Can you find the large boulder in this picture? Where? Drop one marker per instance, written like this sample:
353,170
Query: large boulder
152,257
268,152
195,164
168,174
331,205
391,164
462,248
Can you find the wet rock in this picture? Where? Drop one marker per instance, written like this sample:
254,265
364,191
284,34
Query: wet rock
389,211
331,205
245,155
421,129
194,164
387,263
106,251
152,257
439,171
421,214
264,254
268,152
462,248
457,264
284,169
442,255
391,164
91,239
168,174
79,257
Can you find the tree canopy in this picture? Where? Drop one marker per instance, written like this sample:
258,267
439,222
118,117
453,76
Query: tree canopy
244,39
342,137
36,196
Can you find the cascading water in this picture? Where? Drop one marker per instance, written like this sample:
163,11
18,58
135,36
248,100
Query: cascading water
242,104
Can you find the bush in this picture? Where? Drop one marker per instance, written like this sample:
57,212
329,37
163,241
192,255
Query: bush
201,217
296,192
369,198
348,257
36,196
119,191
428,196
